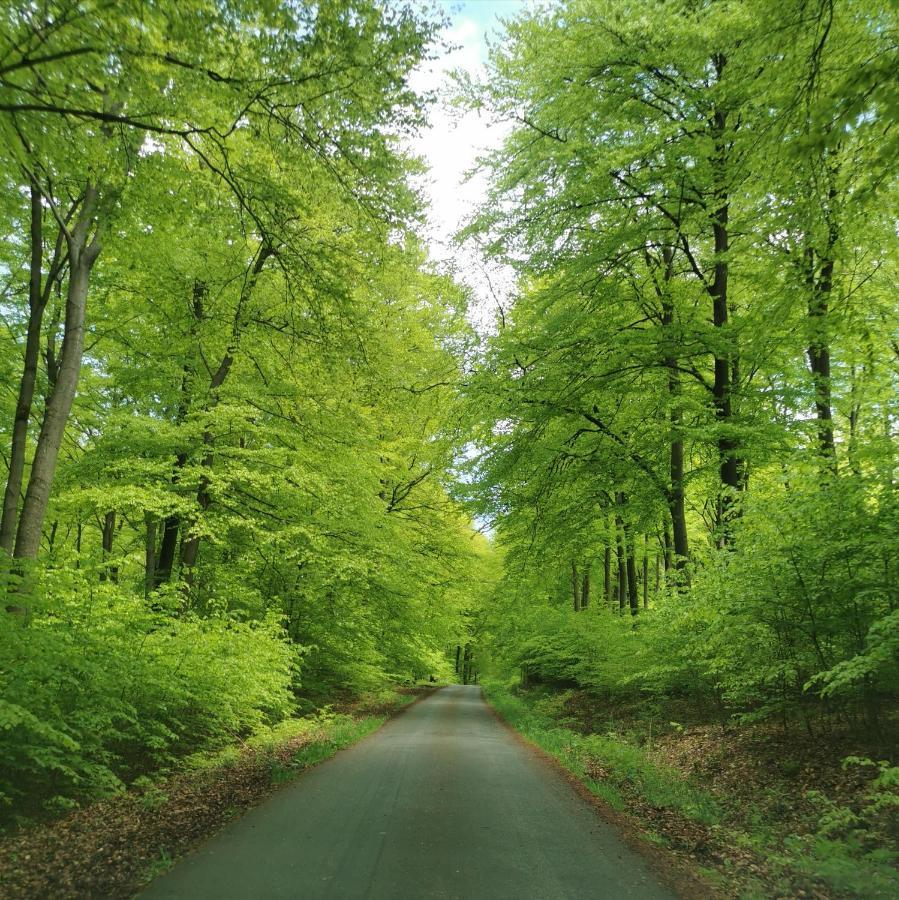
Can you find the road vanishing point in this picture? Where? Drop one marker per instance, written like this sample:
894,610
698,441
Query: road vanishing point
442,802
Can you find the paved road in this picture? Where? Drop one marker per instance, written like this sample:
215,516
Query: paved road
442,802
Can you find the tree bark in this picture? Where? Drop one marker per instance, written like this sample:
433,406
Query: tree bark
38,294
724,360
676,494
820,288
108,537
190,546
83,254
149,553
645,572
621,540
632,589
607,573
575,587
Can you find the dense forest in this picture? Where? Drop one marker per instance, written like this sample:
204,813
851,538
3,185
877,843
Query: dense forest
691,405
688,411
257,456
229,380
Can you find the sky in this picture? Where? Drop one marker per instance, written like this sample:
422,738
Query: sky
452,143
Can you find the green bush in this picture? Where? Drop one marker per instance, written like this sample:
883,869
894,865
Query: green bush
97,688
805,608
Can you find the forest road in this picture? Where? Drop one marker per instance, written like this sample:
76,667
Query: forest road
442,802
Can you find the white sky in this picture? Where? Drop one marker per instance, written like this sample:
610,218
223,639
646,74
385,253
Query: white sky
452,144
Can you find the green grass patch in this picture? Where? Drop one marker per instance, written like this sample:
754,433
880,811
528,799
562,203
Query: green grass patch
622,767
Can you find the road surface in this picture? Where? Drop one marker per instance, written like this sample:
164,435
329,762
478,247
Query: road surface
442,802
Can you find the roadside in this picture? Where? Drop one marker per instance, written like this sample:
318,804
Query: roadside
755,813
113,847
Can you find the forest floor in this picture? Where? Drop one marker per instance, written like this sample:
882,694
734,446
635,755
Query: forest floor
113,847
758,810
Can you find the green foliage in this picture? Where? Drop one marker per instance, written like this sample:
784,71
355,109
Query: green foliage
253,480
688,407
97,689
852,847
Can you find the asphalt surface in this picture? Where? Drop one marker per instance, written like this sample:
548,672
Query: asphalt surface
442,802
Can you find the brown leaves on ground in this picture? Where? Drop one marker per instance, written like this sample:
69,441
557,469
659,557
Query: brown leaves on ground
762,770
111,848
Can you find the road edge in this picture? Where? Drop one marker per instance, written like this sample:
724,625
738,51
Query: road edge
672,870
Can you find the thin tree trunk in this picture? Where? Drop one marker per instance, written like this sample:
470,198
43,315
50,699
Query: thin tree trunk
645,572
82,256
820,288
624,573
108,537
632,588
190,546
676,494
724,360
150,553
585,588
607,572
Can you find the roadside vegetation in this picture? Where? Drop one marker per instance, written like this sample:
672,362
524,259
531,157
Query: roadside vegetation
756,812
230,376
686,419
257,462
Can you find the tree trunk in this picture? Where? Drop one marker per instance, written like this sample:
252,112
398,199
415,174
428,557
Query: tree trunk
108,536
38,294
724,360
669,549
676,497
190,547
607,573
585,588
621,539
632,589
820,288
150,553
82,256
645,572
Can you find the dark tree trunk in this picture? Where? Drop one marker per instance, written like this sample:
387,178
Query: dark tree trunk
621,533
150,553
166,561
190,546
585,588
108,537
820,288
724,358
645,572
575,587
607,573
632,587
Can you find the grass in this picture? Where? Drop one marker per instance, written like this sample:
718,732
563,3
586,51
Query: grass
609,766
833,853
